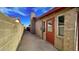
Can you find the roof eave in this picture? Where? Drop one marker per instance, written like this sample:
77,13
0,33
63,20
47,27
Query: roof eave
56,9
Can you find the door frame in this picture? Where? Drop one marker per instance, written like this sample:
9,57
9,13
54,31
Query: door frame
43,29
53,28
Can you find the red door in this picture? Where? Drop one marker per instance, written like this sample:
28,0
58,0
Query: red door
50,31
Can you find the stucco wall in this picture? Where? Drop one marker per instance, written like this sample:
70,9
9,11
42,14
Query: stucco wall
68,41
44,33
38,26
69,30
32,22
10,33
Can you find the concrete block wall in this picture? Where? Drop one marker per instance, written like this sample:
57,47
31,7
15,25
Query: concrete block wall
10,33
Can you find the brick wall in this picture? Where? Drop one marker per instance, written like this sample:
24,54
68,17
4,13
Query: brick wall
10,33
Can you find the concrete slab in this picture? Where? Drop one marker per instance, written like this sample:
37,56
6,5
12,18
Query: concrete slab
31,42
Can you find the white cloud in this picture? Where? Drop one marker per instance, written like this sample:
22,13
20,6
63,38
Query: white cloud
16,10
3,10
19,12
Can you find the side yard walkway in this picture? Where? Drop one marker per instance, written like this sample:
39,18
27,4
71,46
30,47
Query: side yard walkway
31,42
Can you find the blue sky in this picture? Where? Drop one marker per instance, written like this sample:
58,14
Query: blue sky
24,12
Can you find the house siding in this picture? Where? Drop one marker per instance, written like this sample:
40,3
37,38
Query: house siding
38,28
68,41
69,30
32,25
44,33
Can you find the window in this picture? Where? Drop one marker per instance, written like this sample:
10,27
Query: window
49,26
61,25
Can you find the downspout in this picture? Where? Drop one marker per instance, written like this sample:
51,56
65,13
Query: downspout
76,30
76,33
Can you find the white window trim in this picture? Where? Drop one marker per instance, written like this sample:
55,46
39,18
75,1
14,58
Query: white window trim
57,33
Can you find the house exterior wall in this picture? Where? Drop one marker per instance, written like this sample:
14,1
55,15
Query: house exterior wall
32,25
44,33
68,41
69,29
58,40
38,28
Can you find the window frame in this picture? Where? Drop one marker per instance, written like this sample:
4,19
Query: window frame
48,27
59,25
